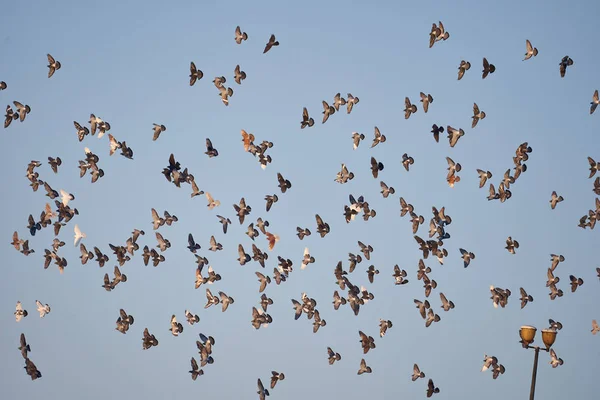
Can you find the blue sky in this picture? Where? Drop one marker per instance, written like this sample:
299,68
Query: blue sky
129,65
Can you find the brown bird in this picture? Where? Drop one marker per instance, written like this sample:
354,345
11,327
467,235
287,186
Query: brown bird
53,65
272,42
555,200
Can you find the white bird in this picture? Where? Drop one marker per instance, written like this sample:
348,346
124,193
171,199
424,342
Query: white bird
66,197
19,312
42,309
78,235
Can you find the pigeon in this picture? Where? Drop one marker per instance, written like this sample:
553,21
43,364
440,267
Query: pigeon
595,327
364,368
78,235
417,373
426,99
333,356
595,102
554,360
262,392
462,68
306,120
53,65
525,298
477,115
531,51
357,137
239,35
467,257
431,388
483,177
19,312
379,138
196,372
350,102
158,129
22,110
275,377
43,309
446,304
239,75
2,85
195,74
210,150
555,200
25,348
564,63
409,108
338,101
436,130
487,68
327,111
272,42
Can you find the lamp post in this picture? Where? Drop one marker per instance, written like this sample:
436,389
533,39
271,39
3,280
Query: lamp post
527,334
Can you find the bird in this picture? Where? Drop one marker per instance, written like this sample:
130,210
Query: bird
327,111
525,298
43,309
595,327
531,51
210,150
22,111
240,36
431,388
2,85
78,235
595,102
333,356
364,368
426,99
20,313
437,130
483,177
239,75
564,63
379,138
511,245
555,361
53,65
462,68
555,200
467,257
409,108
477,115
487,68
262,392
307,121
447,305
275,377
158,129
350,102
272,42
195,74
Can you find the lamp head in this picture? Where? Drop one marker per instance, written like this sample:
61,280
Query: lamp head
527,334
548,337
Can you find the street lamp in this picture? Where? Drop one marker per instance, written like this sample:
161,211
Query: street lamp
527,334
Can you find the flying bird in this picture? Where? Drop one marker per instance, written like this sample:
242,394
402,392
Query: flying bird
487,68
531,51
564,63
53,65
272,42
239,35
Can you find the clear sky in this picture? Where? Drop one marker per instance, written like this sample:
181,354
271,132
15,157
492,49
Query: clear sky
128,63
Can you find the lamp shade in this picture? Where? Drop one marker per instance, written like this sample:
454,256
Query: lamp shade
527,334
548,337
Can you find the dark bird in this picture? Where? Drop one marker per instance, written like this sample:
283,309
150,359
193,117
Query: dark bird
272,42
54,163
322,227
275,377
333,356
284,184
24,348
271,199
437,130
487,68
376,167
192,245
431,388
564,63
210,150
53,65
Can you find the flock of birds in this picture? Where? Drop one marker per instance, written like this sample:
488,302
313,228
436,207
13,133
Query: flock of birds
353,295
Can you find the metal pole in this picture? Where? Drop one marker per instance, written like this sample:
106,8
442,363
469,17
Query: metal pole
534,374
